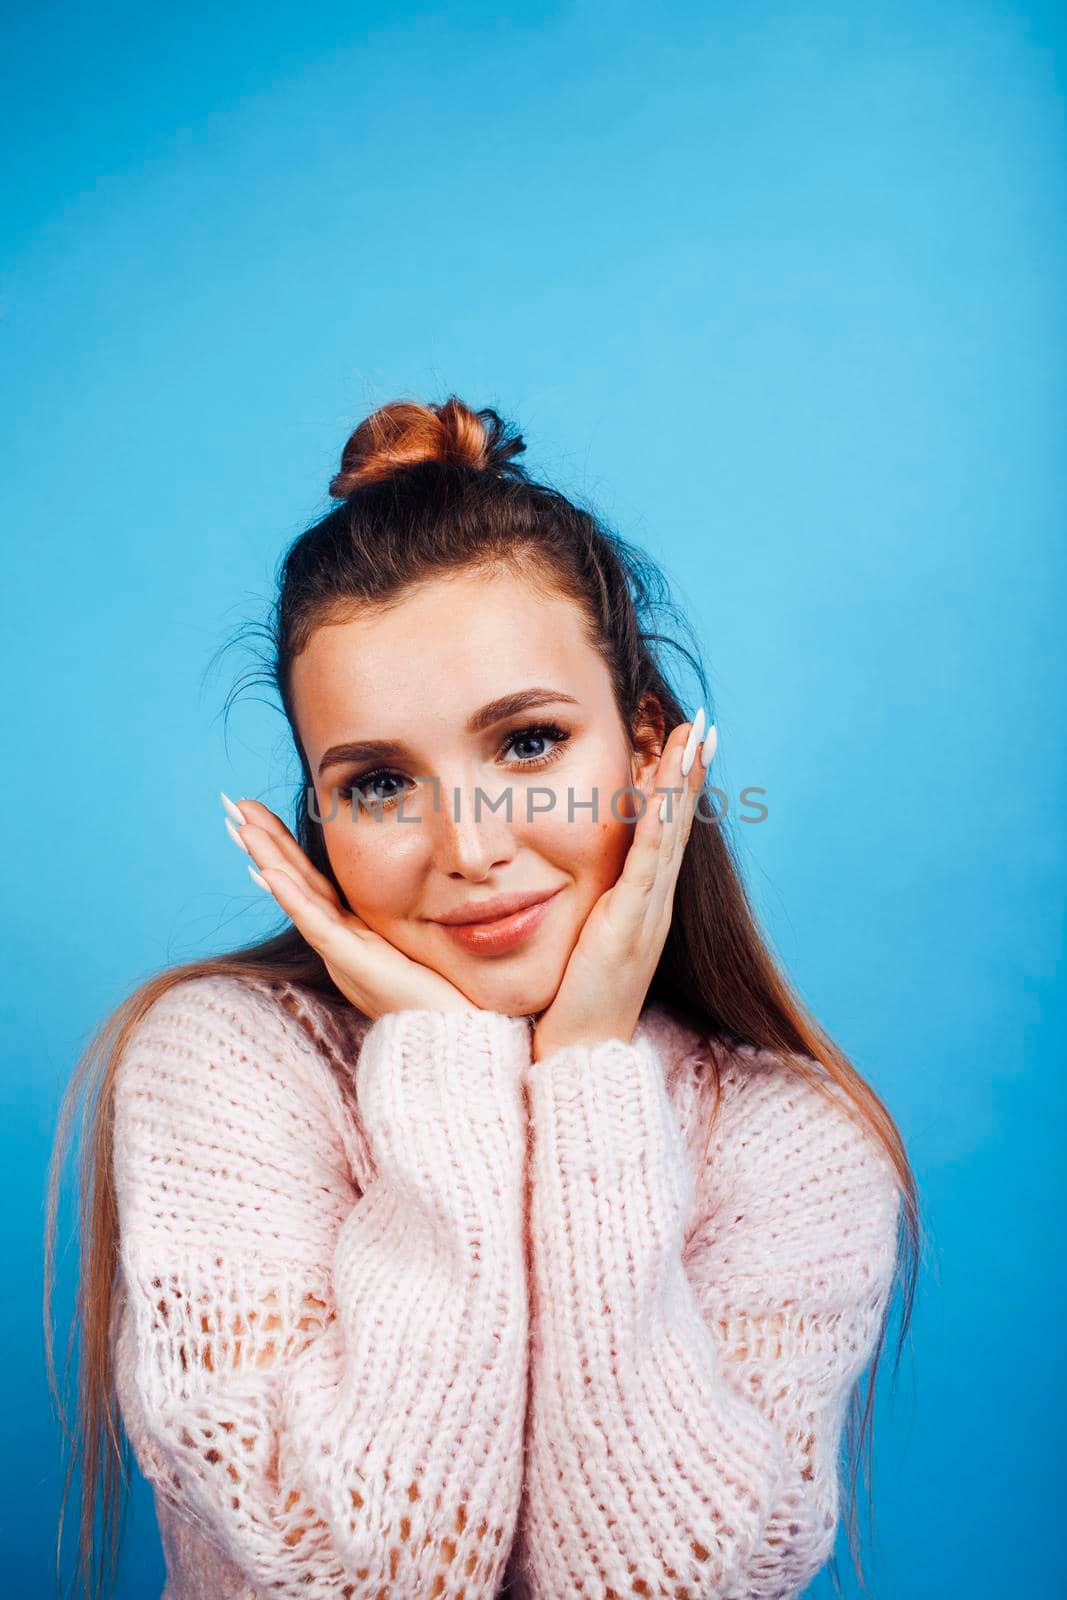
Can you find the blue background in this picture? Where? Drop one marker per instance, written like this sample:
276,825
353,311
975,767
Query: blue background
779,289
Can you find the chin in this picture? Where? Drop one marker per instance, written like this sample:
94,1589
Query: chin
511,996
510,1004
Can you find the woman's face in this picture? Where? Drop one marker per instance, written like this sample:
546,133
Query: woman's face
423,675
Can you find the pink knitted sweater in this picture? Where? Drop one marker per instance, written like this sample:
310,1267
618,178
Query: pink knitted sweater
403,1313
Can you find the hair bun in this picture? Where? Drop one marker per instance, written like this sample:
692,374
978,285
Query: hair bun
404,433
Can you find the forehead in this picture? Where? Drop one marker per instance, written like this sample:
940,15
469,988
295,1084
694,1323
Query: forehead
438,652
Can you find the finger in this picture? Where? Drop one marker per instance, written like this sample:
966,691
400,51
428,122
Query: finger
681,822
267,851
684,793
327,928
271,844
362,963
641,868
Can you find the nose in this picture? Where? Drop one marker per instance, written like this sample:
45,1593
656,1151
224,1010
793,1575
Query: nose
471,829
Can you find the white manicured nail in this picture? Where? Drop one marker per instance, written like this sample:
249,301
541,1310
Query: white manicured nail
696,733
235,836
663,807
255,877
235,811
707,749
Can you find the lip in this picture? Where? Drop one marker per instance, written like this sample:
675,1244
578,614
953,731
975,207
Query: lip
493,936
492,910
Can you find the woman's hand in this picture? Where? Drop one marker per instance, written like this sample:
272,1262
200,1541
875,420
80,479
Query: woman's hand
609,971
369,971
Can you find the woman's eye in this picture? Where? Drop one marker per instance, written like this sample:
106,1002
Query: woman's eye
366,785
537,736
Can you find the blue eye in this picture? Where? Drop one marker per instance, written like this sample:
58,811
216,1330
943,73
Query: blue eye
375,777
542,731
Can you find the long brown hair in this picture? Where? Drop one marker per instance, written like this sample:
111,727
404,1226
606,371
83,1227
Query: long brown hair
425,490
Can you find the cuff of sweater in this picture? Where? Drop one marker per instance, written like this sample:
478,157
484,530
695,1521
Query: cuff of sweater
441,1102
605,1104
424,1053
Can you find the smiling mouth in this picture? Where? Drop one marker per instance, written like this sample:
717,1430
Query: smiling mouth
494,935
493,910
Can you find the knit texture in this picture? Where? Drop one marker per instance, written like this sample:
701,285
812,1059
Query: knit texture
403,1313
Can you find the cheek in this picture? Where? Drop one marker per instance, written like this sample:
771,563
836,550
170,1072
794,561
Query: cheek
608,845
592,852
375,866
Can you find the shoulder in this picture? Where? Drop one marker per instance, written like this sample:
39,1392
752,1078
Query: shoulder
776,1143
231,1050
792,1159
227,1127
785,1113
207,1024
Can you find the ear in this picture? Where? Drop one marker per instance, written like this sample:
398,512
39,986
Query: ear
649,735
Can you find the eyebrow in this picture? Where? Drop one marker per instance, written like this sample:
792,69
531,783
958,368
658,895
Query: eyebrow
487,716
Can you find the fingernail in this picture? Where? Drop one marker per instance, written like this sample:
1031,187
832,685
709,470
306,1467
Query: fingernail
707,749
235,836
255,877
235,811
696,733
663,808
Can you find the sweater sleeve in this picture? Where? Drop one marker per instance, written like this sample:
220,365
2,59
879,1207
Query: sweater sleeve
689,1377
333,1384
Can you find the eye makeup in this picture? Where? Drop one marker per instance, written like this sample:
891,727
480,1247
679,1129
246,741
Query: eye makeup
360,781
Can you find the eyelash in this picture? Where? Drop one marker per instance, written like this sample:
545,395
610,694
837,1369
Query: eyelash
545,730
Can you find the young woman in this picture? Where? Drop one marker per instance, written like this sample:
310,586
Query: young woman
504,1225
